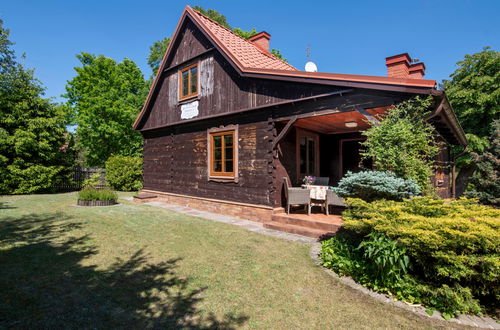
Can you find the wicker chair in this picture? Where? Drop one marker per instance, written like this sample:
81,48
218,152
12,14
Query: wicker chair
333,199
296,196
321,181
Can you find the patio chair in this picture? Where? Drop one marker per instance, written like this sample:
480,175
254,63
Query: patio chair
296,196
333,199
321,181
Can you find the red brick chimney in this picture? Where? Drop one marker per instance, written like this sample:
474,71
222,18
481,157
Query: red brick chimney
261,40
400,66
417,71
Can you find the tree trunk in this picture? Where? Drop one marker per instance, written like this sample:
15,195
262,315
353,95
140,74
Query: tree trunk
462,179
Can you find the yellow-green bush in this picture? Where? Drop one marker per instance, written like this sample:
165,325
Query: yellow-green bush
456,243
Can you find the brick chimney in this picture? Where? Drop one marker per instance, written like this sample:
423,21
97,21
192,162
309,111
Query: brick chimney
417,71
261,40
400,66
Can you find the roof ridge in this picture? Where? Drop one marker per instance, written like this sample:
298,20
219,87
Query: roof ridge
268,54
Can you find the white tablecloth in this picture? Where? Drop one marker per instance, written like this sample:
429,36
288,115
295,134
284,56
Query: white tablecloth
316,192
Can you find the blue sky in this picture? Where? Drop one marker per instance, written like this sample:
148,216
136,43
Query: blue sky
344,36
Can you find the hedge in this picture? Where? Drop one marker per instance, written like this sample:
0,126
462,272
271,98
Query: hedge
124,173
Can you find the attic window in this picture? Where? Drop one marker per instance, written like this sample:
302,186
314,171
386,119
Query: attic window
188,82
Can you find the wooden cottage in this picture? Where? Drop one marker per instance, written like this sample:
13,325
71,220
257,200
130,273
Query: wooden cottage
225,121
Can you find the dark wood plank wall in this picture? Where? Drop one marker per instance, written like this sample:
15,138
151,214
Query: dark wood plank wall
175,160
175,157
222,90
442,175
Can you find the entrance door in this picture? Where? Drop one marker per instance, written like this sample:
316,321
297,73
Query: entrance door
307,154
350,153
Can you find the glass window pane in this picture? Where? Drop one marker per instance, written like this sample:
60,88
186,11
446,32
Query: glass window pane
218,166
217,154
228,140
312,156
185,83
302,155
194,80
217,141
229,153
229,165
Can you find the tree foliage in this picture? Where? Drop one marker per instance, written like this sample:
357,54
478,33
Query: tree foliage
485,183
35,149
105,98
156,52
474,91
158,49
403,142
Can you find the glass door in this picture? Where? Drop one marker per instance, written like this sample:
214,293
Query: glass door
307,154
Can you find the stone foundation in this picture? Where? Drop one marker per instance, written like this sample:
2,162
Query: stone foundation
258,213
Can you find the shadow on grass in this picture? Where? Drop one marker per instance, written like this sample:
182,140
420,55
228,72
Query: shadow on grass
4,205
43,283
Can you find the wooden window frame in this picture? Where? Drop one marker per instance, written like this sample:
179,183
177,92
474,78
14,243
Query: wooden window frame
222,176
188,69
308,134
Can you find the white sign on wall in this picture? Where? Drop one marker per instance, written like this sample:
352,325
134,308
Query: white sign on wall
189,110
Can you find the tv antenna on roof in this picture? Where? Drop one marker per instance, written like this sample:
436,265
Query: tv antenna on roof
310,66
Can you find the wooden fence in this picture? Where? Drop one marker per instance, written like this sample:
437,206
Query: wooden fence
78,177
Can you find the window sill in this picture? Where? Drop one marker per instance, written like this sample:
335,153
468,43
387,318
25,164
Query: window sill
223,179
188,99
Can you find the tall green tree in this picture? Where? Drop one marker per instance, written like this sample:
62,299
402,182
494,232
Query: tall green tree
474,92
35,148
105,97
403,142
156,52
158,49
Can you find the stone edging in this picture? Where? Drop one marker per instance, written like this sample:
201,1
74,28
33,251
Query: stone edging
82,202
467,320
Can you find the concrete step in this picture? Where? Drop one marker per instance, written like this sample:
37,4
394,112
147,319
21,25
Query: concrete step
331,223
299,230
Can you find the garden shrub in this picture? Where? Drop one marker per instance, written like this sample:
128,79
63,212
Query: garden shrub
452,243
349,255
92,194
404,142
124,173
373,185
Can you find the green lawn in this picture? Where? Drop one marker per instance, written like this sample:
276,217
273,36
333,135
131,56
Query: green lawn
137,266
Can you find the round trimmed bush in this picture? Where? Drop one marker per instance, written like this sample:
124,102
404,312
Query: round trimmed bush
374,185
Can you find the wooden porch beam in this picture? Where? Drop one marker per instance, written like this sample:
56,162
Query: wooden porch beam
367,115
284,131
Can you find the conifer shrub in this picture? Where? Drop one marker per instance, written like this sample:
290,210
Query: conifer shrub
373,185
452,247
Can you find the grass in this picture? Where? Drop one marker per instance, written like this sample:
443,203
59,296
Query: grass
138,266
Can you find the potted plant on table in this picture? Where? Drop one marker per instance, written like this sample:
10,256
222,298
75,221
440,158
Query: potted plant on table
308,180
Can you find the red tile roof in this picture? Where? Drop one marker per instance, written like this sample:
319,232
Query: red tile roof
249,58
261,64
242,51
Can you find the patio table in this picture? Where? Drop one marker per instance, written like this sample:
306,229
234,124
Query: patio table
316,192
